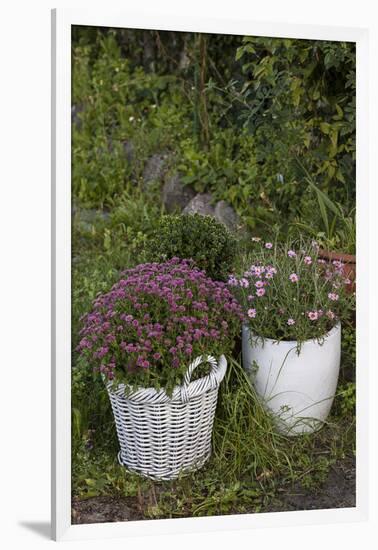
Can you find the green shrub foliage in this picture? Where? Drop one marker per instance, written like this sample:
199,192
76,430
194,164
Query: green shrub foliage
200,238
235,117
298,99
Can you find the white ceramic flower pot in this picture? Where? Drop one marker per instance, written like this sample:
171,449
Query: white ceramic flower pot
297,388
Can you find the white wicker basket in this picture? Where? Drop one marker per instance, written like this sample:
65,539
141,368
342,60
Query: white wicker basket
162,437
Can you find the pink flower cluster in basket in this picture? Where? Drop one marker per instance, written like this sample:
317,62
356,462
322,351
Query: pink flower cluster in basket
156,319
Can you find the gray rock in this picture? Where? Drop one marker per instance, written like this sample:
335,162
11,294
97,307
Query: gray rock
75,119
201,204
128,148
176,195
225,214
155,169
87,217
184,62
222,211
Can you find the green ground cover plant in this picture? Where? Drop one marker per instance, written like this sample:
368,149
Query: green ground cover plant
331,223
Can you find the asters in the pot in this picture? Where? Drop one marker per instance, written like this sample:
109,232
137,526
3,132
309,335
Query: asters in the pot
287,293
155,320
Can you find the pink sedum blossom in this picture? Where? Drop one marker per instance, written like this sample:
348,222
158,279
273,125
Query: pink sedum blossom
157,316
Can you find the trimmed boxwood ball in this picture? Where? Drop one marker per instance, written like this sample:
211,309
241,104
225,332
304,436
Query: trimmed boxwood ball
202,238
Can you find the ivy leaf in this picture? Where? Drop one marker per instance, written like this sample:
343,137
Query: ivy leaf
239,53
325,127
340,113
334,137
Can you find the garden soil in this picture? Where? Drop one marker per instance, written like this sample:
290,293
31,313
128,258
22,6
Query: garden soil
338,491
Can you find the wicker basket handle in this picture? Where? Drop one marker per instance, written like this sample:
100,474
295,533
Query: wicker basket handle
212,380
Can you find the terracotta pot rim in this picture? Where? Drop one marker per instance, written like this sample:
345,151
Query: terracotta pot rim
330,255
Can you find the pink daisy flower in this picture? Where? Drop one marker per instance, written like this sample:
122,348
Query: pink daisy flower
268,245
290,322
251,313
260,292
337,264
257,270
292,254
307,260
294,278
232,280
312,315
259,284
333,296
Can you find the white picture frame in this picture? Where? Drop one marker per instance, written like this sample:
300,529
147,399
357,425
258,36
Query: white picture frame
62,20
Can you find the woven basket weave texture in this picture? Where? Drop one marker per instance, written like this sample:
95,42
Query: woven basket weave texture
163,437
